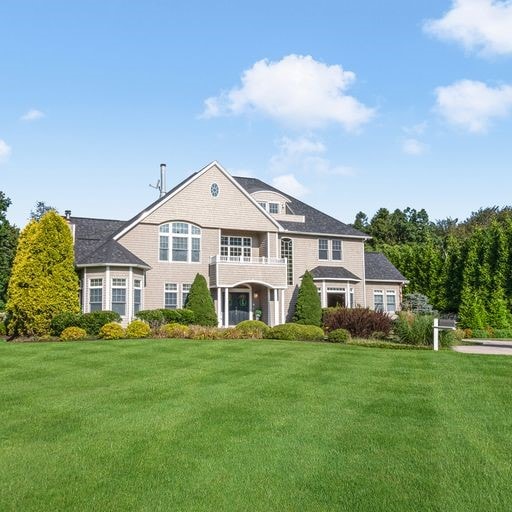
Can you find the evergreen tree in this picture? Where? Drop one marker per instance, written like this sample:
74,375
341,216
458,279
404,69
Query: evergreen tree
308,309
43,281
200,301
8,243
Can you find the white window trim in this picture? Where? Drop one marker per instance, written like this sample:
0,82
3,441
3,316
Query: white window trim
330,249
140,287
95,287
242,247
171,291
189,236
121,287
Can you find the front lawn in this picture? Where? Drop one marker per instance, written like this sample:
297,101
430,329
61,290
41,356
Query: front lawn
252,425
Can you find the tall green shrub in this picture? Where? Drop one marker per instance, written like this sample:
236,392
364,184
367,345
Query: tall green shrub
43,281
308,309
200,301
8,242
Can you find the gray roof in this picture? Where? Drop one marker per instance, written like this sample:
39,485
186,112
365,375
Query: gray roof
94,244
379,268
315,220
322,272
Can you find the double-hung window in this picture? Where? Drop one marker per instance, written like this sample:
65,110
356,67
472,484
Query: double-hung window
171,296
185,289
119,295
137,295
95,294
180,241
323,249
378,300
390,301
336,250
274,208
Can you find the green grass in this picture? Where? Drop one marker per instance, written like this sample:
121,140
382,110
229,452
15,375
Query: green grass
260,426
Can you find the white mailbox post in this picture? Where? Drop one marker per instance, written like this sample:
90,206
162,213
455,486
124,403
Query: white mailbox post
445,324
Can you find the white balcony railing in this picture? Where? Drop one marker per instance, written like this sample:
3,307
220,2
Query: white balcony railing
247,260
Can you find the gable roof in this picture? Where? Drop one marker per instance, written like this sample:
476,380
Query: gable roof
160,201
379,268
94,244
315,220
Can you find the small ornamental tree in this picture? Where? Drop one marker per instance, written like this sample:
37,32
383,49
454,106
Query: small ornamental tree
308,309
200,301
43,280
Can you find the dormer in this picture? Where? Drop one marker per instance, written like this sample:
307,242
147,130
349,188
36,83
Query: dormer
277,205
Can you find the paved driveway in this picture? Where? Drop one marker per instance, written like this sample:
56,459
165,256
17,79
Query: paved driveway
494,347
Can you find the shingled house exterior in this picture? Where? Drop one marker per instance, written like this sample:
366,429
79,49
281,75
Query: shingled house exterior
251,241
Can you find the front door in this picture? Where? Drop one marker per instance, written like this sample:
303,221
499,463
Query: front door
238,307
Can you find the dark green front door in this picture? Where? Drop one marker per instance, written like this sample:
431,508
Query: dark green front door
238,307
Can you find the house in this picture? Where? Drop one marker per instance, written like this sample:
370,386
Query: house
251,241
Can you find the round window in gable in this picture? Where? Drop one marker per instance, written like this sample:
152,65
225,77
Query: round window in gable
214,189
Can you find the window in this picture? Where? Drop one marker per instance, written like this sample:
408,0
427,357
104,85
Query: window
137,295
336,249
185,289
185,242
390,301
274,207
214,190
95,294
323,249
287,252
263,204
171,296
235,248
119,295
378,300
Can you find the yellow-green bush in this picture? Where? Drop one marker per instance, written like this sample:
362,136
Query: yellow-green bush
174,330
137,329
293,331
112,331
73,334
252,329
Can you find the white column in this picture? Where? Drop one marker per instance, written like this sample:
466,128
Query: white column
283,316
219,306
85,285
436,334
108,286
275,294
226,307
324,295
129,299
349,304
269,309
251,317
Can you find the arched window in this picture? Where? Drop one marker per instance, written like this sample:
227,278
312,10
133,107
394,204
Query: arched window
287,252
180,241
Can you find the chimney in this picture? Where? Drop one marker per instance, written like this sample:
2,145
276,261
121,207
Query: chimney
67,214
163,179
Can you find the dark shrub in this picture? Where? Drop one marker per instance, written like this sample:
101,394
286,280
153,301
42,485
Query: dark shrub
252,329
154,317
295,332
93,322
339,336
3,329
200,301
308,310
178,316
64,320
359,322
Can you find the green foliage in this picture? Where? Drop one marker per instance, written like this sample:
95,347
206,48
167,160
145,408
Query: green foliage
338,336
43,281
308,309
417,303
137,329
112,331
94,321
200,301
180,316
360,322
252,329
63,320
489,333
3,329
414,329
385,344
40,210
174,330
293,331
73,334
8,242
154,317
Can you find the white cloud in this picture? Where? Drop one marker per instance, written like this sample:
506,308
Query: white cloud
481,25
302,154
472,105
288,183
296,90
417,129
32,115
413,147
5,151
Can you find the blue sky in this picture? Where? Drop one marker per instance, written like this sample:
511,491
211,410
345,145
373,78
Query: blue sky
349,105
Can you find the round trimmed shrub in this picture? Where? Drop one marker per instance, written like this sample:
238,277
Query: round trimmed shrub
293,331
339,336
112,331
255,329
137,329
73,333
175,331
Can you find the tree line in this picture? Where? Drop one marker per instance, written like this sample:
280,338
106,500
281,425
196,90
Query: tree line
464,267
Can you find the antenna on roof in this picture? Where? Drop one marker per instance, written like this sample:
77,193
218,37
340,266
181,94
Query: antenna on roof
161,183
